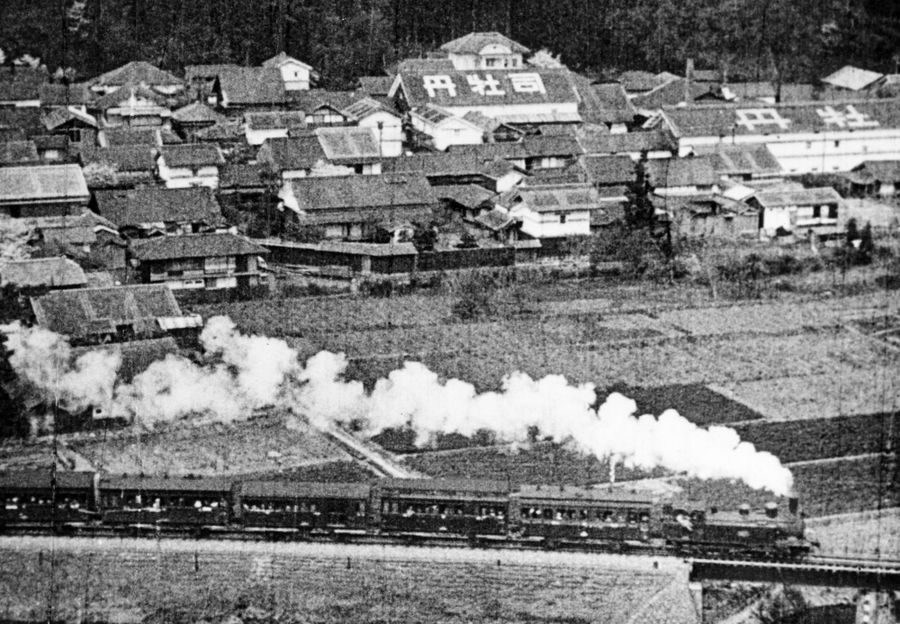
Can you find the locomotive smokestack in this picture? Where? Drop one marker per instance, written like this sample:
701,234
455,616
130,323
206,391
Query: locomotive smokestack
793,505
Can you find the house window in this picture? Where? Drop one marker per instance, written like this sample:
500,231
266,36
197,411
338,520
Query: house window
832,212
491,62
817,212
562,218
74,135
837,143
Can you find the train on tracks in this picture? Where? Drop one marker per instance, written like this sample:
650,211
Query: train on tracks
409,510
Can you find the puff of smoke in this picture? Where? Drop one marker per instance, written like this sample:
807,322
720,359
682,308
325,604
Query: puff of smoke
44,359
414,396
241,373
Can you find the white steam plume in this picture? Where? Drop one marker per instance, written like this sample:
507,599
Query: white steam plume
240,373
44,359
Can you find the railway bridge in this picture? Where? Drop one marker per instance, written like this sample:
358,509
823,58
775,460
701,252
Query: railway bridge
877,579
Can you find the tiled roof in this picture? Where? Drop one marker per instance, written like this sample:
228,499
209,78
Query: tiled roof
42,272
529,147
603,102
375,85
365,107
59,116
292,153
474,88
609,170
194,246
57,94
18,152
24,118
495,220
369,249
626,143
426,65
78,233
743,158
474,42
21,83
313,99
804,197
638,81
124,94
853,78
279,59
677,172
560,198
349,144
113,137
225,131
669,93
197,112
159,205
253,85
881,170
208,71
191,155
361,191
468,195
135,355
87,311
755,119
241,176
436,163
126,158
137,72
288,120
42,182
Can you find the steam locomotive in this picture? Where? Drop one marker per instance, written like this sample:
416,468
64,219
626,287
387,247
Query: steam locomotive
482,512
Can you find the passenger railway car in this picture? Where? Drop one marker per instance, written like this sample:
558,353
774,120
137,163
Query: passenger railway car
608,519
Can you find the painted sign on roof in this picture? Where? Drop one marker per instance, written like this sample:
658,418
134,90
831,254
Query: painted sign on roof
479,88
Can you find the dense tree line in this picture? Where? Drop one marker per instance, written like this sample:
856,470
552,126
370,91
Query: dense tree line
757,39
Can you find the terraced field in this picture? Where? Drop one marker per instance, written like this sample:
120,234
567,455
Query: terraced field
183,582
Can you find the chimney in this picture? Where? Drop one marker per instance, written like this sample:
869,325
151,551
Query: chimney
688,80
772,509
744,509
793,505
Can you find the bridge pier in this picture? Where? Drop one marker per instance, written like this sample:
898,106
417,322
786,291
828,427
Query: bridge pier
876,607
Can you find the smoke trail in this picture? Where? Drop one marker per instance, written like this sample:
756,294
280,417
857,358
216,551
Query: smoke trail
44,360
240,373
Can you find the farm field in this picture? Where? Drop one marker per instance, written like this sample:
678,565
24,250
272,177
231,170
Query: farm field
865,535
169,582
262,444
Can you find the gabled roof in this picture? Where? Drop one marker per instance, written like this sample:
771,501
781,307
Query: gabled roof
159,205
18,153
438,116
529,147
197,112
137,355
454,88
853,78
475,42
57,94
744,159
375,85
281,58
275,120
224,131
468,195
638,81
253,85
430,64
495,220
292,153
123,96
126,158
242,176
762,119
42,272
559,197
802,197
603,102
45,142
24,118
677,172
21,83
361,191
609,170
366,107
314,99
436,163
194,246
86,311
191,155
881,170
137,72
669,93
349,144
42,183
62,115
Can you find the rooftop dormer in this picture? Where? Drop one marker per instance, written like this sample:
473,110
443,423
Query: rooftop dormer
485,50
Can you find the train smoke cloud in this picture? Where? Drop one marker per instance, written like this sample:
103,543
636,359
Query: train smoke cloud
238,373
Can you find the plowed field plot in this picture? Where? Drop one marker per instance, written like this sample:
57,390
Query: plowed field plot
262,444
886,328
332,585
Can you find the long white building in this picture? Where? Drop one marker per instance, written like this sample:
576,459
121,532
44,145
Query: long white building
813,137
